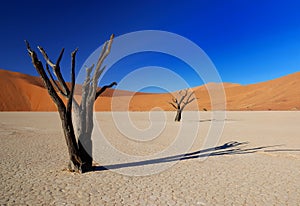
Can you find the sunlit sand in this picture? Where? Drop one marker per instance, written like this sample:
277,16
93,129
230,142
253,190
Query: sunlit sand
255,162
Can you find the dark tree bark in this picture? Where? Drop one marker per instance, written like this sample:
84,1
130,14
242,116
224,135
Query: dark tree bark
180,103
178,115
77,135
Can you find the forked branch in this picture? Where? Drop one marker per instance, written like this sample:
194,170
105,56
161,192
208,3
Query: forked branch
56,70
40,69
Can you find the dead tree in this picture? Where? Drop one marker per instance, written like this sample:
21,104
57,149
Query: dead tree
180,103
77,130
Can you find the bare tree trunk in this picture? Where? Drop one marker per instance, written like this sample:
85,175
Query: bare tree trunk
178,115
85,144
78,135
74,155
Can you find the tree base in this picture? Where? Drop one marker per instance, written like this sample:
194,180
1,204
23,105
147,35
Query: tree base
74,168
86,167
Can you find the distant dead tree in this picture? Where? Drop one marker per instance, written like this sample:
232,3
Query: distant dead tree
180,103
77,130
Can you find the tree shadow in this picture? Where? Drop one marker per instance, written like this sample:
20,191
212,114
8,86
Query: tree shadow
229,148
282,150
213,120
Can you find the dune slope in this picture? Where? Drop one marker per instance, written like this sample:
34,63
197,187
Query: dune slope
20,92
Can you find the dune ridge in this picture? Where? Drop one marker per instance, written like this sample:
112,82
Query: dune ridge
21,92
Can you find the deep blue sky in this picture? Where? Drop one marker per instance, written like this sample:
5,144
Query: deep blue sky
249,41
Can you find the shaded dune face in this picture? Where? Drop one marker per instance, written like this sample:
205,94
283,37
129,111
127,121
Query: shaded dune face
20,92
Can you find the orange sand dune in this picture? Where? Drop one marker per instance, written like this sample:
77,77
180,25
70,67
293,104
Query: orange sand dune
20,92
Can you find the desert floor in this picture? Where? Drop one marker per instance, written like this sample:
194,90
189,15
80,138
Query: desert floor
254,161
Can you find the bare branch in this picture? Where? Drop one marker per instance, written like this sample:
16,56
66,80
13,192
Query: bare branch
183,96
60,56
97,73
100,91
173,105
70,96
100,59
56,69
175,100
43,52
105,51
188,100
190,95
40,69
100,72
54,82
